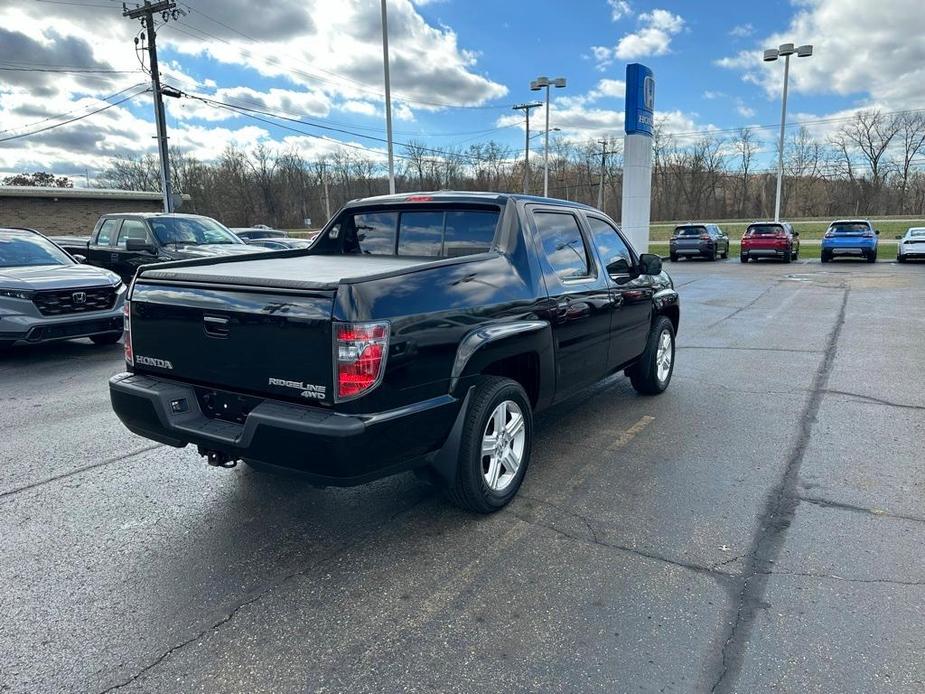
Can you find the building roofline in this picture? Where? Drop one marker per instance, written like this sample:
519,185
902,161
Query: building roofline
81,193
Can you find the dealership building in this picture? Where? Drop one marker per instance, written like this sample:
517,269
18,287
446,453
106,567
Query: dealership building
70,210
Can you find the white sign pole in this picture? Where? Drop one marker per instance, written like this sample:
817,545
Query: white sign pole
637,155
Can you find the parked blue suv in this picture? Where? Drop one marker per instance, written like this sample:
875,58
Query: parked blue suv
850,237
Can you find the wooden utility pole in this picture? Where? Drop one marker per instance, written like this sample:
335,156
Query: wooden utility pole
146,12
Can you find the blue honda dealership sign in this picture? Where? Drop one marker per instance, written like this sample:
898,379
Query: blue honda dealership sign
640,99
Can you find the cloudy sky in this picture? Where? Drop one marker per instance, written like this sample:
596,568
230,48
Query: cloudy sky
457,68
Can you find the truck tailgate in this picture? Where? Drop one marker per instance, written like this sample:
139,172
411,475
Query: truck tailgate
270,343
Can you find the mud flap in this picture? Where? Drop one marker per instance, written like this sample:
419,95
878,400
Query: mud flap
446,461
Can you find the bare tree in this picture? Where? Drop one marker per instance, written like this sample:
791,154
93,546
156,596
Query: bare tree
911,135
746,147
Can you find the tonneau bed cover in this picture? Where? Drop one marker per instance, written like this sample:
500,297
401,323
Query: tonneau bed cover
293,272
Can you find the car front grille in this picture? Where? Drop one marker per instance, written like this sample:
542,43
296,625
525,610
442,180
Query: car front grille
60,302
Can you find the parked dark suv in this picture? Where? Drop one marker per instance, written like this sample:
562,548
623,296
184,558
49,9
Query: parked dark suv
699,241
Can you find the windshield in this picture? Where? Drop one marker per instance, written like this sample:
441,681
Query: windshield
763,229
690,231
23,250
849,227
195,231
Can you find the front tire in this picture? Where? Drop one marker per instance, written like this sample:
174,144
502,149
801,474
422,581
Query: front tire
106,338
652,373
497,439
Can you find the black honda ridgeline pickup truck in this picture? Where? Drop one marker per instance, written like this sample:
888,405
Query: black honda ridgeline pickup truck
418,332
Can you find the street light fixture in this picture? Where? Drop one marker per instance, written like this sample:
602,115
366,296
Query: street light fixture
785,50
535,86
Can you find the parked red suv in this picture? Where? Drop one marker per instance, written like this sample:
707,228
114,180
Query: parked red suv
770,240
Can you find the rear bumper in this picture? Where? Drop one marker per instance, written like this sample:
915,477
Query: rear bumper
329,447
763,252
857,246
704,248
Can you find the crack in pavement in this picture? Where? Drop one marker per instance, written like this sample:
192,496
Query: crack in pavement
595,539
773,523
323,561
742,308
877,401
751,349
834,577
838,505
77,471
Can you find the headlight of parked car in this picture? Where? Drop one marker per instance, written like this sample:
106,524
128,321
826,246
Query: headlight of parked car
17,294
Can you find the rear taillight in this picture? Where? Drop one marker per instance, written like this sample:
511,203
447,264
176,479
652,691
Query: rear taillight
829,234
868,234
127,333
360,351
704,237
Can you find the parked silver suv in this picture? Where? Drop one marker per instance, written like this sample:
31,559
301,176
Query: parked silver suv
47,294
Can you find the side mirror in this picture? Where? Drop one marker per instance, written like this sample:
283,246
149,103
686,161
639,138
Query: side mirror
898,236
82,258
796,233
650,264
139,246
877,232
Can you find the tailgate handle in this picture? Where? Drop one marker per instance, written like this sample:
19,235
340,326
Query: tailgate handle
216,326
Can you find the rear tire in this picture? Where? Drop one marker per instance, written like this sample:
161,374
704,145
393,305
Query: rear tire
787,256
725,253
490,469
106,338
796,253
652,373
743,257
872,257
674,258
824,257
900,258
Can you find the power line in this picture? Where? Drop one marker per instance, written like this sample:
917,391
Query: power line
73,120
68,113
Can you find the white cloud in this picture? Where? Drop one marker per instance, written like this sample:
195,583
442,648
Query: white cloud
712,94
742,31
656,29
862,49
312,58
619,9
744,109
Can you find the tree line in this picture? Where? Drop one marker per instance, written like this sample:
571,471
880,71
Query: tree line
869,165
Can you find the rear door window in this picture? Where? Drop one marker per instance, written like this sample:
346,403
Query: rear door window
562,243
108,231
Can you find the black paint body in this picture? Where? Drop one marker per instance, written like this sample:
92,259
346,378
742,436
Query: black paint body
502,312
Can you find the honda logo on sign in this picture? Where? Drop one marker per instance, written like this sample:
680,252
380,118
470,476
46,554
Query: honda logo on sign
79,297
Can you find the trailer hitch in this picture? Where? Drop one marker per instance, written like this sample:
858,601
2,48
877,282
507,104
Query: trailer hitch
217,458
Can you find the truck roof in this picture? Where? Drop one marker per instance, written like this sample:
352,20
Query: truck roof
448,196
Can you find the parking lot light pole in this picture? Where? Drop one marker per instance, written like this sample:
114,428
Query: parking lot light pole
535,86
388,95
785,50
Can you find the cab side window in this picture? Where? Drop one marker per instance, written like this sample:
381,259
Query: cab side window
132,229
614,252
562,244
108,230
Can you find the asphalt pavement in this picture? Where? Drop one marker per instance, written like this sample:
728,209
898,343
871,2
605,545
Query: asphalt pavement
757,527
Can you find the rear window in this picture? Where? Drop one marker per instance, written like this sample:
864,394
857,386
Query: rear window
849,227
690,231
433,233
764,229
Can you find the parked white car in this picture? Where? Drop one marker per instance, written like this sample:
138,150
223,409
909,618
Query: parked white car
912,245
